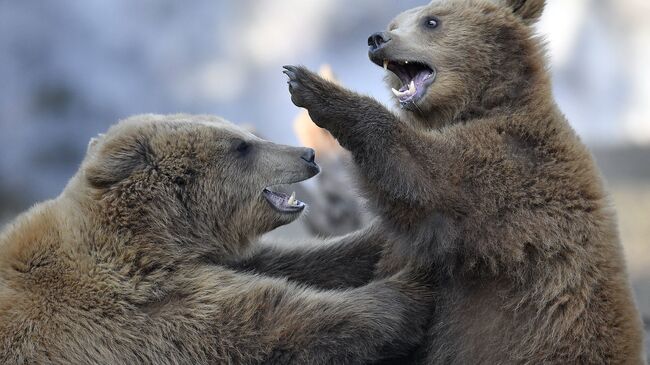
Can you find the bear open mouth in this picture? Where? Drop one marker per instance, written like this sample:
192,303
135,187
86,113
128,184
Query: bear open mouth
415,76
283,203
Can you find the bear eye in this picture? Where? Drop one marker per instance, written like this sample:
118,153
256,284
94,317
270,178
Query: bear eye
242,147
431,22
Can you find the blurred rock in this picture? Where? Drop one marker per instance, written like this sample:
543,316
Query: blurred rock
335,206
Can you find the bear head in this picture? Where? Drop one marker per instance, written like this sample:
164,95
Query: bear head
193,179
460,56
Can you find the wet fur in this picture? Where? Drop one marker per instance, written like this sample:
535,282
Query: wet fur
484,181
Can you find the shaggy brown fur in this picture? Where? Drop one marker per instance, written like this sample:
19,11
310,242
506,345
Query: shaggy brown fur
127,265
482,179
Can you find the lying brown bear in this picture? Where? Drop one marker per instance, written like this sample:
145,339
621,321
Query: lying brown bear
128,264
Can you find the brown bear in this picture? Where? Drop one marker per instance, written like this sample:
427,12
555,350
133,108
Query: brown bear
480,177
128,264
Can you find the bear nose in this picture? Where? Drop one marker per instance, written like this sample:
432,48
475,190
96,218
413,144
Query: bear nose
378,40
308,155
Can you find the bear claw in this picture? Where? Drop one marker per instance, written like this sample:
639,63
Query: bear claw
294,73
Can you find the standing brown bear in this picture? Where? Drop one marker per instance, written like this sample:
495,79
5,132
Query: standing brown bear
480,176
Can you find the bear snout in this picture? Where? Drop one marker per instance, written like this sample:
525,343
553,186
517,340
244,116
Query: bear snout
309,155
378,40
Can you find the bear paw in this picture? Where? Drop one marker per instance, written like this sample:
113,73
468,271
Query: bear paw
306,87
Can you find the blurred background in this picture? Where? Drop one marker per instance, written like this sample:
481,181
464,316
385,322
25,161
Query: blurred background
70,69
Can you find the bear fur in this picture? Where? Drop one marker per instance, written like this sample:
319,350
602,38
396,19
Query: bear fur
130,264
479,177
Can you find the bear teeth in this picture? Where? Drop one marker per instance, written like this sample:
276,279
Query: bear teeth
292,199
406,93
412,88
397,93
386,65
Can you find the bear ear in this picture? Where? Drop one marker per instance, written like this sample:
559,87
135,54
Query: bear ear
528,10
92,144
116,160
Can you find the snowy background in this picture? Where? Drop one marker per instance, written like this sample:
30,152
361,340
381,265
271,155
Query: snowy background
69,69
